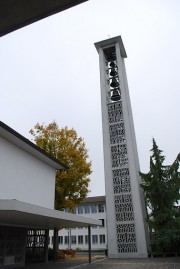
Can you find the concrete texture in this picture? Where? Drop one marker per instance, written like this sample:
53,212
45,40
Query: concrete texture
151,263
103,263
126,234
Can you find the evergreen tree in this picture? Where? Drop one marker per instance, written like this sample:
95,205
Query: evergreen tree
161,187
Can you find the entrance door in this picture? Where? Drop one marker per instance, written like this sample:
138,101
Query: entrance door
35,248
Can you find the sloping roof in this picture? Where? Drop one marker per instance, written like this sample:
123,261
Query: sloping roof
94,199
22,214
25,144
15,14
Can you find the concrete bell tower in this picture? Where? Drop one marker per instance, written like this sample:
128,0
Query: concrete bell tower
124,199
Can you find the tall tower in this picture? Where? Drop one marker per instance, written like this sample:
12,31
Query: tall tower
124,200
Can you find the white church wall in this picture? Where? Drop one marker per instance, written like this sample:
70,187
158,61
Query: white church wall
25,177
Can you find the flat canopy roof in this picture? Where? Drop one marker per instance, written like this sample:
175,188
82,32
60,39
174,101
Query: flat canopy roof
20,214
15,14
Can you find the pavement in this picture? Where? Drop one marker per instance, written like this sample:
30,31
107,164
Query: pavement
105,263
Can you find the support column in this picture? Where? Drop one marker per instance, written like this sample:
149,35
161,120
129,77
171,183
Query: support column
55,244
89,243
46,245
69,238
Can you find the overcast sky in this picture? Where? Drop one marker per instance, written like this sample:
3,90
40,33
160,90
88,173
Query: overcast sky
50,71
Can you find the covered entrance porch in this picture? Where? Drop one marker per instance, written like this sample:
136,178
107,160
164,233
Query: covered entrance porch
24,231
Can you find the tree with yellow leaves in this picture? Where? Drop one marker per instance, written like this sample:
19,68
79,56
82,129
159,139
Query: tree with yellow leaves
64,144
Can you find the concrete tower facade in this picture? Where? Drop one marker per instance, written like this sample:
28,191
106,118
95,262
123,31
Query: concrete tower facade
124,200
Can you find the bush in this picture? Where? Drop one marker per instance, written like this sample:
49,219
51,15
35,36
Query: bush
61,254
78,249
167,241
69,252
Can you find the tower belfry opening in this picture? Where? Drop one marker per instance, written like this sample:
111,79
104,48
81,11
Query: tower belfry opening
127,233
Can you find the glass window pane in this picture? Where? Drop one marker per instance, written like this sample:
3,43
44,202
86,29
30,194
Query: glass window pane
80,209
100,208
66,240
94,239
103,223
93,209
60,240
80,239
74,211
73,239
86,239
102,238
87,209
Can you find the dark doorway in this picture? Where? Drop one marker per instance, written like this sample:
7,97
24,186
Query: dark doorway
35,247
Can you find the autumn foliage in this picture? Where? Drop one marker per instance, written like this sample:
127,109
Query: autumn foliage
64,144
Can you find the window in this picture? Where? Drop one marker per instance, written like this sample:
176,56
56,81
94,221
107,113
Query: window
100,208
86,239
103,223
80,209
102,239
93,209
60,240
80,239
94,239
73,239
66,240
74,211
87,209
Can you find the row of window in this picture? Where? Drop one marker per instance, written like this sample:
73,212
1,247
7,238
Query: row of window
87,209
80,239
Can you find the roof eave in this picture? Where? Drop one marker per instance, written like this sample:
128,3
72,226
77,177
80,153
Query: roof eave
19,13
25,144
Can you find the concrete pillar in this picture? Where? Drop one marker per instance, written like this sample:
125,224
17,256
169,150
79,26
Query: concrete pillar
89,243
55,244
46,245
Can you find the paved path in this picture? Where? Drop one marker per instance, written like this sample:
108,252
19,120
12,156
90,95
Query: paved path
150,263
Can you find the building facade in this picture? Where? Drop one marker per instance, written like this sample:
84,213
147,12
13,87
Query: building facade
27,201
77,238
25,170
124,201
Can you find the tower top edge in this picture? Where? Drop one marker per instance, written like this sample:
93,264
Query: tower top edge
112,41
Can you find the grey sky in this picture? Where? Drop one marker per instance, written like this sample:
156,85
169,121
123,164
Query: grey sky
50,70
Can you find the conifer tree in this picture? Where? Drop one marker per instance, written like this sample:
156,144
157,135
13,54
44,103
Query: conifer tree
161,187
